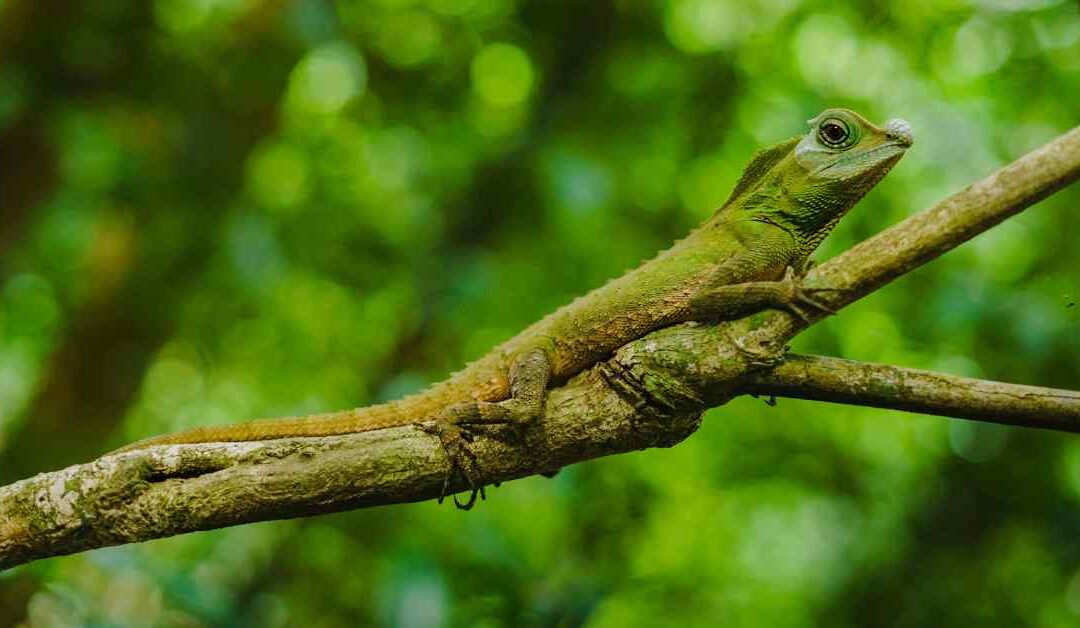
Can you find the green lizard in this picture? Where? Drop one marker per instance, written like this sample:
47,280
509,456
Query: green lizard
741,260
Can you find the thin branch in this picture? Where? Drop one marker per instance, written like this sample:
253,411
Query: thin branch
913,390
650,393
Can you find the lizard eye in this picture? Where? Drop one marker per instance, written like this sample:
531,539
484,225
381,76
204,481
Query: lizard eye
835,133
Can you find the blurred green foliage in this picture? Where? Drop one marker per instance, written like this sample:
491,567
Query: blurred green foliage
214,210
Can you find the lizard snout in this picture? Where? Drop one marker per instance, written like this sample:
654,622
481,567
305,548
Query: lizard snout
900,130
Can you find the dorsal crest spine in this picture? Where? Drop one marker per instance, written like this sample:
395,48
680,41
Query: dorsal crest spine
760,165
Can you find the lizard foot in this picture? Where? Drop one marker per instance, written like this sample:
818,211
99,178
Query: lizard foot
457,426
455,443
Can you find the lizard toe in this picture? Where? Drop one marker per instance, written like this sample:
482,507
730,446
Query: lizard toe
455,444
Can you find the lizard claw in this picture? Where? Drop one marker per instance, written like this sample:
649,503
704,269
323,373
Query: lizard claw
455,443
803,296
467,505
800,296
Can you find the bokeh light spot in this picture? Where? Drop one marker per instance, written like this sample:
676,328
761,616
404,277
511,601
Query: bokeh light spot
980,47
977,442
1054,33
91,156
977,48
793,541
502,74
826,49
699,26
186,16
409,39
254,252
279,176
327,79
171,383
28,306
493,121
578,183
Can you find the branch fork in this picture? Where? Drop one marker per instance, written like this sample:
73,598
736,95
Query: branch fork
651,393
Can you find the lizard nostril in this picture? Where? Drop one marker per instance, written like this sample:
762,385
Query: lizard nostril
900,130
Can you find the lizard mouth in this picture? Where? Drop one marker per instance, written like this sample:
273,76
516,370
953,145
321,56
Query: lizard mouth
888,151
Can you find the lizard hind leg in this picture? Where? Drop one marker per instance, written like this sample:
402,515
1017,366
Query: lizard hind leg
456,425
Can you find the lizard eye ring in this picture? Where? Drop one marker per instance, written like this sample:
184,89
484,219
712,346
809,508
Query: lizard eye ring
835,133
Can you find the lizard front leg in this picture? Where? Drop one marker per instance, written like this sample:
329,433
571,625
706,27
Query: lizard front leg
529,374
744,281
736,288
741,299
728,302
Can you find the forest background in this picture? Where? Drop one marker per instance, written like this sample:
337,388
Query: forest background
215,210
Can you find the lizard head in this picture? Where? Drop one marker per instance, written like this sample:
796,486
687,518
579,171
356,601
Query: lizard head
843,149
834,165
807,183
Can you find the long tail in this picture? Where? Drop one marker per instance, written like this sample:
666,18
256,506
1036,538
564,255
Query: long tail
412,409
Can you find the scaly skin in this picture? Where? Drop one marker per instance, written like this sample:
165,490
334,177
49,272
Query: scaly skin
739,261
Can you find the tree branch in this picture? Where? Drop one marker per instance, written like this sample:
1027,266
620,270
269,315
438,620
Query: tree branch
169,490
650,393
913,390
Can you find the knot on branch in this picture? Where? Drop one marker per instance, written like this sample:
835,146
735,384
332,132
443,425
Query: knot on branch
668,385
664,412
